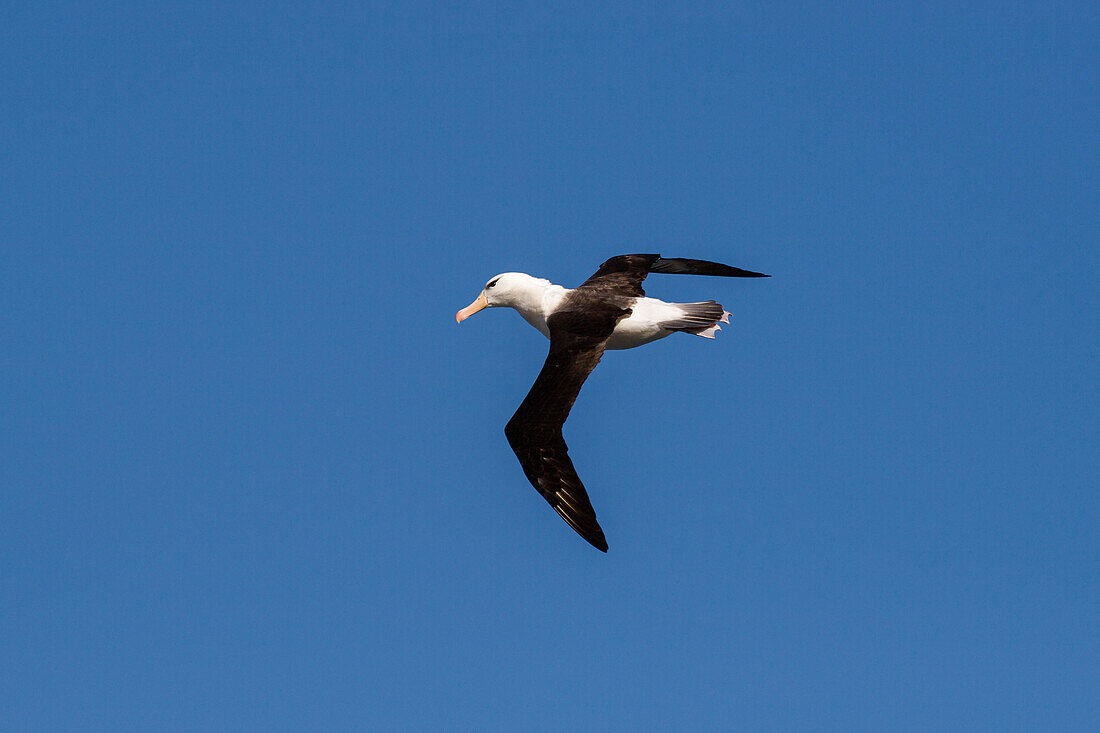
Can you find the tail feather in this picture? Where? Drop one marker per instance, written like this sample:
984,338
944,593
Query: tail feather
701,319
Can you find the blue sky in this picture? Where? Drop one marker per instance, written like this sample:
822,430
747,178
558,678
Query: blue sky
254,477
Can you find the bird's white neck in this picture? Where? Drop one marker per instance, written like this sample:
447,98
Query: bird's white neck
534,298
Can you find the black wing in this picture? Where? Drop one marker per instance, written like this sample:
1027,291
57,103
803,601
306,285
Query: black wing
623,274
577,339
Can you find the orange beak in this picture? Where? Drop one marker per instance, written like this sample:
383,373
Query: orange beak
472,308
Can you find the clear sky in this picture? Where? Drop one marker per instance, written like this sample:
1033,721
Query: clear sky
254,476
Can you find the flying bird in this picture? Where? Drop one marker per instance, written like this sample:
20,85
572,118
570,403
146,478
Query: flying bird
608,311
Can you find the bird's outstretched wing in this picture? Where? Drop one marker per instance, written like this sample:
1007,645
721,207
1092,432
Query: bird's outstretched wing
577,338
623,275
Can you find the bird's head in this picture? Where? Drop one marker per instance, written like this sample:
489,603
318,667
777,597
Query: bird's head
512,289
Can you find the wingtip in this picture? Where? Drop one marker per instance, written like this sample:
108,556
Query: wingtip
596,539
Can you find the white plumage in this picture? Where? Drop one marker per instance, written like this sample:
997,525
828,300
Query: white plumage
536,298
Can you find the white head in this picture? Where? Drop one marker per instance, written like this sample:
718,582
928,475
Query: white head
512,289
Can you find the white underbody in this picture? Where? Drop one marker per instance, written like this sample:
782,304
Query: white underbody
640,327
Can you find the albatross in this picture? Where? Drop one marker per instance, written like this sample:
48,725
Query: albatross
607,311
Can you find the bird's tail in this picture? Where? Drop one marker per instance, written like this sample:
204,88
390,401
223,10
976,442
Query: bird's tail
701,319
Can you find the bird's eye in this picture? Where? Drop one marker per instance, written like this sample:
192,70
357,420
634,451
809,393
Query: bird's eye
490,285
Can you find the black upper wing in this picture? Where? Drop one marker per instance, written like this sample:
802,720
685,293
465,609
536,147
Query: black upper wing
577,338
623,275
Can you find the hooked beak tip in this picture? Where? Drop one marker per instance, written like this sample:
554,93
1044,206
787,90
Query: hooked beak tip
472,308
